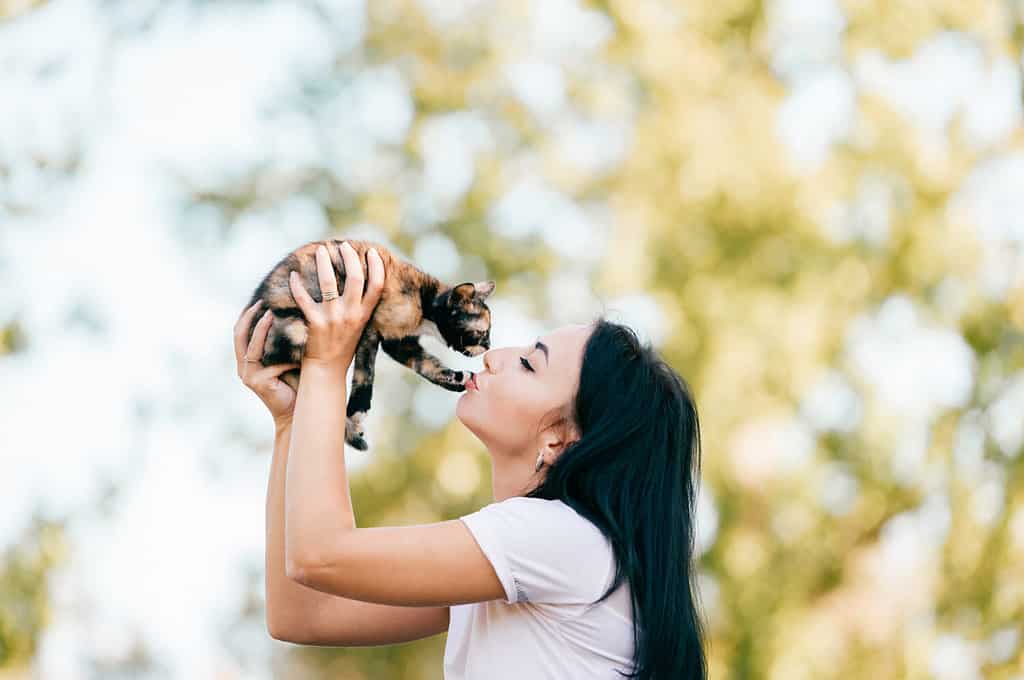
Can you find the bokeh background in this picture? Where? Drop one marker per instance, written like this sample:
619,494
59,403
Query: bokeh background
813,208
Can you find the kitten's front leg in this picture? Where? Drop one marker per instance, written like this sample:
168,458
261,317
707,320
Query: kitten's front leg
409,352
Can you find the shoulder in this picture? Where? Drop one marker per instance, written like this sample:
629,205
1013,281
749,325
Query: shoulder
551,521
524,505
543,550
554,508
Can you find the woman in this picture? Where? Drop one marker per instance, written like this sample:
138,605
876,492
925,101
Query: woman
583,565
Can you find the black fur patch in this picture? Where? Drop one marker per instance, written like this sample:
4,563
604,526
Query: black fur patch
360,399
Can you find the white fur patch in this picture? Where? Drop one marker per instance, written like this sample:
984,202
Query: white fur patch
296,332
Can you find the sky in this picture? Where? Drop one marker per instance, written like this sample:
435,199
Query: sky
129,351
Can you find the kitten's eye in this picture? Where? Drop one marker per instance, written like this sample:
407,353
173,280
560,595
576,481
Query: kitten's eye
524,363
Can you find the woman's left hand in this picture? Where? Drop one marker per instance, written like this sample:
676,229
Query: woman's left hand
335,325
265,381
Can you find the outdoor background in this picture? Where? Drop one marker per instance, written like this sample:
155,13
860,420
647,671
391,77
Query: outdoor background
813,208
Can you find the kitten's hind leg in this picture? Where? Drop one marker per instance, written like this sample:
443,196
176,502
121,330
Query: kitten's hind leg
408,351
362,389
285,343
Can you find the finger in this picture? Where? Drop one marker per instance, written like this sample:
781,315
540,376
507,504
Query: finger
352,296
267,372
325,271
302,298
245,312
259,337
376,281
242,329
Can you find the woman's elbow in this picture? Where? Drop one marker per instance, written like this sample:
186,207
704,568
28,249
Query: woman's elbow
277,631
287,629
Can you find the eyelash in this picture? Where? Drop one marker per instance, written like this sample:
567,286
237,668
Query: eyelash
523,362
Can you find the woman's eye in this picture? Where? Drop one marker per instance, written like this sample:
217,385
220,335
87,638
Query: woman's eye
523,362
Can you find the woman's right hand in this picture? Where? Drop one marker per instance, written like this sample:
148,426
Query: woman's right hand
278,396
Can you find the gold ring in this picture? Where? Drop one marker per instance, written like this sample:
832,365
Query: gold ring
251,361
330,295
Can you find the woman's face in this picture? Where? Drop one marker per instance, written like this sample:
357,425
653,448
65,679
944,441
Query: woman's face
519,386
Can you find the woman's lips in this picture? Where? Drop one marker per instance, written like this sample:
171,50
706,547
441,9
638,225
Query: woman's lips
472,381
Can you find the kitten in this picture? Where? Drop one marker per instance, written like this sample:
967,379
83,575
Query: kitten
413,303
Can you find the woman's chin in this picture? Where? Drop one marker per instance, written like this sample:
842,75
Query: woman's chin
458,407
463,412
466,423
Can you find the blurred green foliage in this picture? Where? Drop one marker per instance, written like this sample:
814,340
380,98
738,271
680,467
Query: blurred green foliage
708,217
24,590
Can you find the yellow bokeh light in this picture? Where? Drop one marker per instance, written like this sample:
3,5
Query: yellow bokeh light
458,473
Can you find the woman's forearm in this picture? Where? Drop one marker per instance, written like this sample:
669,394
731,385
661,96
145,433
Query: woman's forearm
290,605
318,504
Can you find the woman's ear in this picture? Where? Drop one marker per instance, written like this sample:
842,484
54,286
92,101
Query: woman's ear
554,441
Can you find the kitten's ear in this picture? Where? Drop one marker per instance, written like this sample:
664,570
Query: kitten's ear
460,293
483,289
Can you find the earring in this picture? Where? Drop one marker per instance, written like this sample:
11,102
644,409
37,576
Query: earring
540,461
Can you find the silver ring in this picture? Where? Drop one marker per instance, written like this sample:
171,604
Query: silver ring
330,295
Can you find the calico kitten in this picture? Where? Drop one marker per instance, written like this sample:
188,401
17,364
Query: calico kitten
412,303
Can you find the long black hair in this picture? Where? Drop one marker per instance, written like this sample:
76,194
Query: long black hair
633,472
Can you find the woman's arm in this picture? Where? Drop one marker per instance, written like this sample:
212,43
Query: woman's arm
296,613
432,565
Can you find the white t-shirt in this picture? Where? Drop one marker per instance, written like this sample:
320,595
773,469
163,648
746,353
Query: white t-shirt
552,562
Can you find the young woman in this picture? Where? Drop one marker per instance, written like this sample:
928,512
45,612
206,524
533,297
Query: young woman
581,568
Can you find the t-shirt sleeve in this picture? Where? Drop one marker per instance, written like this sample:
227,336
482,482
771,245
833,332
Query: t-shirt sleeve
542,550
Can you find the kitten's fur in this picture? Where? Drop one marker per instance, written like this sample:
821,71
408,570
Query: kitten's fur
412,303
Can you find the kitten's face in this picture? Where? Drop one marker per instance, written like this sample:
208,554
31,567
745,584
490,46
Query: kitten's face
465,321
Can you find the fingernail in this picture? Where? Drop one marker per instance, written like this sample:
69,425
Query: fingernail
374,251
266,314
257,304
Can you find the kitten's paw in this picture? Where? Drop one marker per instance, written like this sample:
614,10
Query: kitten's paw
354,431
454,381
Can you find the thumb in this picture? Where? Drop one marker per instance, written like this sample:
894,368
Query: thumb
277,369
268,374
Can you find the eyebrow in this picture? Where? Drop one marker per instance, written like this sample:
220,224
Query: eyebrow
543,347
